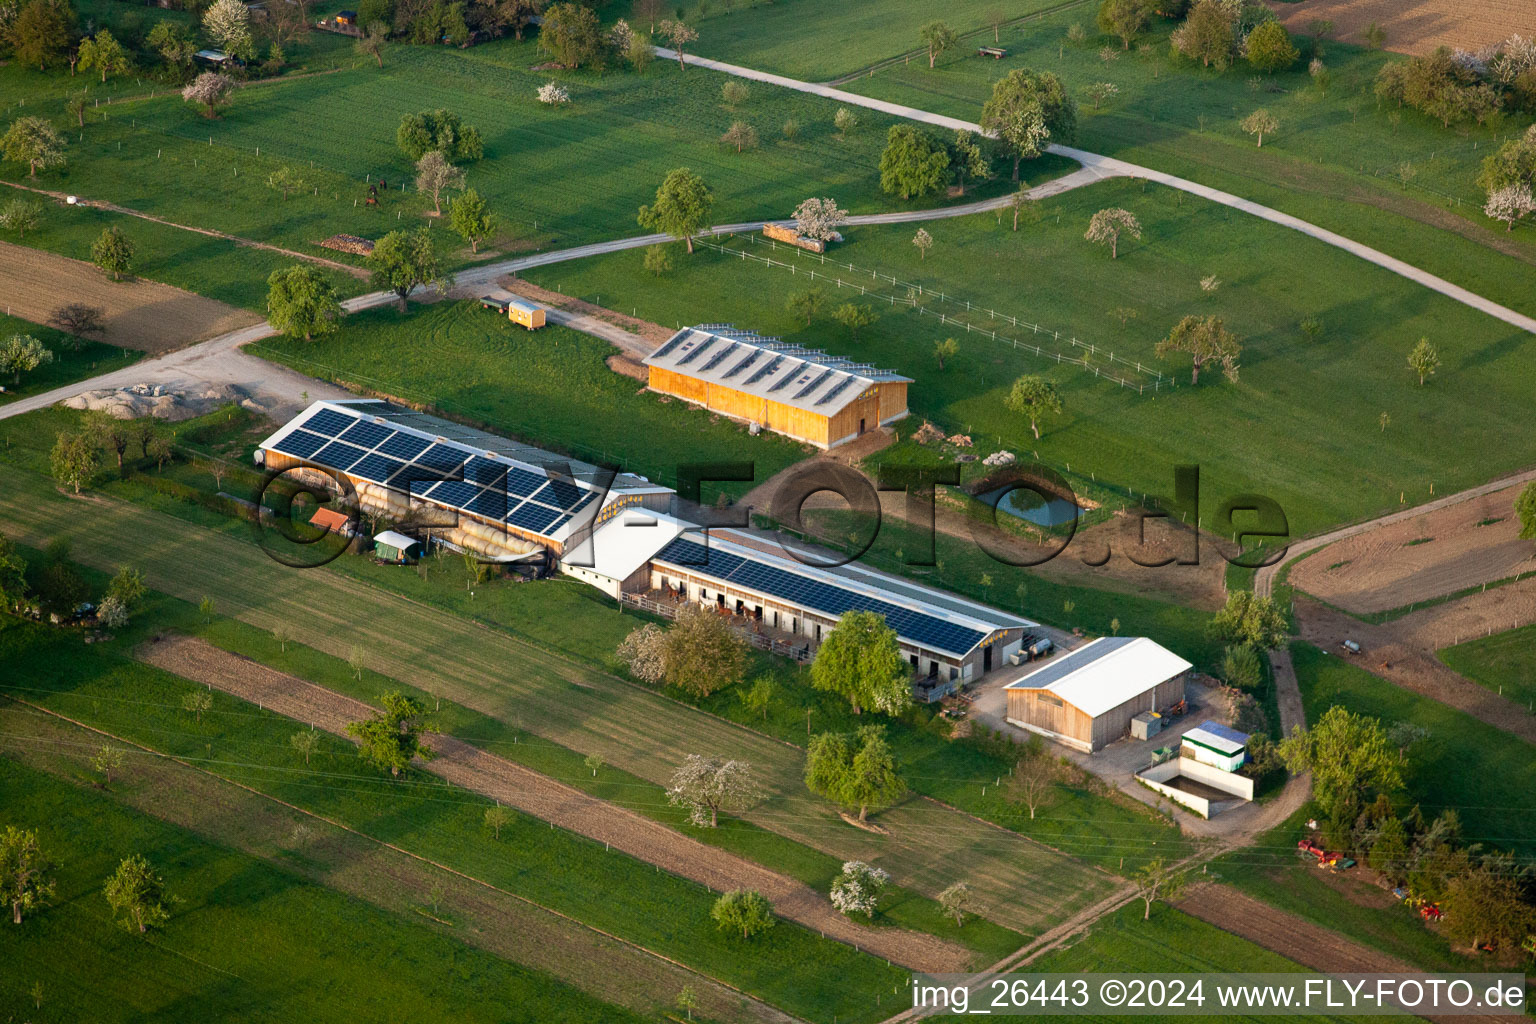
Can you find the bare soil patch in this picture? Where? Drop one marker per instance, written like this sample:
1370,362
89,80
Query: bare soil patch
650,331
1397,653
141,315
1427,556
1282,932
549,800
1415,26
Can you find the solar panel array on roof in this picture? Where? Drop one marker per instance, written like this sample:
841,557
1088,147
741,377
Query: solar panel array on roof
914,626
442,472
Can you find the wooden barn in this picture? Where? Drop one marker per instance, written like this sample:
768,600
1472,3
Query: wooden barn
798,392
1087,697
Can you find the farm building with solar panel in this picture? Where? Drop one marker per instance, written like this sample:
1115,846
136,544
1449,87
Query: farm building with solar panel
798,392
509,501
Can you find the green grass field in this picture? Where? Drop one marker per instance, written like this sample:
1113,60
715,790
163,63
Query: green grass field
550,388
819,41
1504,662
788,966
1298,426
555,177
73,359
567,702
248,941
1338,159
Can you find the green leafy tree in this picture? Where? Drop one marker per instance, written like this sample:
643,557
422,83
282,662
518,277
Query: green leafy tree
498,818
22,353
1389,851
966,159
34,142
286,180
205,607
938,38
1250,620
681,208
1026,111
21,215
305,742
743,910
392,738
1207,35
1488,905
657,259
196,702
758,698
127,586
1155,880
1240,667
403,261
861,661
1525,509
1424,360
113,252
1032,397
957,901
688,1000
854,769
854,317
1206,340
24,881
74,460
41,32
740,136
108,761
1513,163
103,53
1269,48
571,35
701,653
808,304
469,217
175,44
945,350
13,574
137,895
1351,759
373,41
301,301
913,164
1124,18
440,130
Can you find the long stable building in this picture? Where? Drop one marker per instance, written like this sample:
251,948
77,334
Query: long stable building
508,500
511,502
798,392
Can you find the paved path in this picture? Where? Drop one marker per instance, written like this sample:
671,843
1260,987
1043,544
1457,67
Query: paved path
1110,167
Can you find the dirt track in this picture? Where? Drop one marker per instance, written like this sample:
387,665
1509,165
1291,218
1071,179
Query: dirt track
1426,556
141,315
565,806
1415,26
1296,938
1393,651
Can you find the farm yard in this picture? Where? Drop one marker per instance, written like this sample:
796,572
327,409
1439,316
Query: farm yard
1326,458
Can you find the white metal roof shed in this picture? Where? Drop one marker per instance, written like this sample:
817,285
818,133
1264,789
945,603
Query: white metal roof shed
626,542
1105,673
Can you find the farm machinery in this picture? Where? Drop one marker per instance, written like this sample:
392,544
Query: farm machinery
1328,860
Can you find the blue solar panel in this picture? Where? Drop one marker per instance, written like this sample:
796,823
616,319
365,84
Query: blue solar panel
587,498
300,444
454,492
914,626
442,459
376,468
405,446
492,504
328,422
484,472
366,434
533,517
523,483
339,455
558,494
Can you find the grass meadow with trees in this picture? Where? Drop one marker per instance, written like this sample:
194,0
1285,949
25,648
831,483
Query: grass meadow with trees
1316,326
